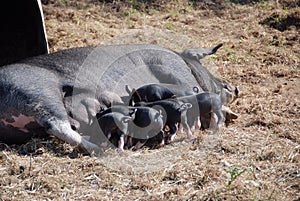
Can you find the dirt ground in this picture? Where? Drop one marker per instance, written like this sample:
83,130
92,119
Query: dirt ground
255,158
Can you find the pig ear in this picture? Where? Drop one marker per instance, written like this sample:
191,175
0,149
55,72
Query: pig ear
199,53
158,115
189,105
132,113
131,102
184,107
128,89
133,90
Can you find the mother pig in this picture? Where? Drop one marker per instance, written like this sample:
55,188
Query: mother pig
33,91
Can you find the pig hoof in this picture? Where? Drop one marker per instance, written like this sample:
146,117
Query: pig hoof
121,152
168,141
211,132
162,144
171,137
104,144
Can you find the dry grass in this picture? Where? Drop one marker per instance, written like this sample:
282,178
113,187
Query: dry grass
255,158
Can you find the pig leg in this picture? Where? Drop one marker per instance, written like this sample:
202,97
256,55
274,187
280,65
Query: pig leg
213,123
129,141
180,128
187,129
121,143
56,122
221,118
63,130
126,139
185,125
229,112
108,134
190,120
173,130
162,143
139,144
161,139
198,123
205,121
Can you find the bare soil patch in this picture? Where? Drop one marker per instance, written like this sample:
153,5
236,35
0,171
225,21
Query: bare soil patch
255,158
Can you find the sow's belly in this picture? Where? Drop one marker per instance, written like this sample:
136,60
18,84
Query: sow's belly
19,128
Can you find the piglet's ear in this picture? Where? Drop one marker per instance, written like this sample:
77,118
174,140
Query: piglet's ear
128,89
157,115
189,105
132,113
184,106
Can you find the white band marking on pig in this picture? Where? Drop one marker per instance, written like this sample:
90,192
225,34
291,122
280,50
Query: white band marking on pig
20,122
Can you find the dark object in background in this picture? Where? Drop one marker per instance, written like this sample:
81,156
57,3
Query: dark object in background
22,30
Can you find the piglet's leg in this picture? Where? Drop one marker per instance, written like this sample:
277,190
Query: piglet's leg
125,139
162,143
189,133
197,123
129,141
161,140
213,123
229,112
173,131
121,144
139,144
105,144
221,118
187,129
180,128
